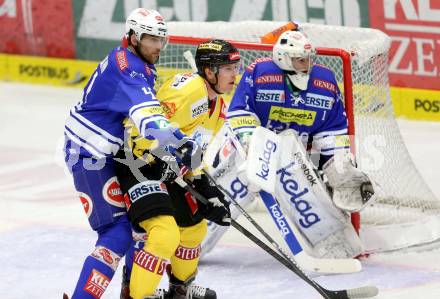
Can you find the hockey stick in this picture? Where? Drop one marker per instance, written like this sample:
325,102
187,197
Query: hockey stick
362,292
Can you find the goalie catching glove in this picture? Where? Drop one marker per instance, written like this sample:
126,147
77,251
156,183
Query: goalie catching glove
217,210
352,189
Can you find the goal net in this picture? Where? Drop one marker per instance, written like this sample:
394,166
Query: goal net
406,212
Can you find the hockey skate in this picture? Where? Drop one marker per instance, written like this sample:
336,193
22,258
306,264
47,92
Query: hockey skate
186,290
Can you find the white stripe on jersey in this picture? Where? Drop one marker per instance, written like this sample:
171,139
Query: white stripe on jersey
90,149
330,133
135,108
98,129
90,137
237,113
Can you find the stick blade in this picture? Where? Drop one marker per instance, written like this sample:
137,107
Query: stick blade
329,266
363,292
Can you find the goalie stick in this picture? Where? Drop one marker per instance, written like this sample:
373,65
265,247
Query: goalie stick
355,293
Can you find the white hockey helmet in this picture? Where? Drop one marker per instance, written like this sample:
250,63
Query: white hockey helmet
149,21
294,45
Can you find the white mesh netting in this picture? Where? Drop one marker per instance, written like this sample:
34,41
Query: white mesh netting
406,212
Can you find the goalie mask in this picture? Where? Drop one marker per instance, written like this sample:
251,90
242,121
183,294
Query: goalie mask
146,21
294,54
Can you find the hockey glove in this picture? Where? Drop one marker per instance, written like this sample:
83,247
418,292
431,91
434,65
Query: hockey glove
352,189
217,210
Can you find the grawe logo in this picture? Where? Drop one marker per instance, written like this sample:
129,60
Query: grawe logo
414,28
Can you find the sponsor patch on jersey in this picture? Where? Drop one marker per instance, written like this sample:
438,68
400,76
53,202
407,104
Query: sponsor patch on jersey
319,101
319,83
106,256
180,80
96,284
112,193
87,203
169,108
299,116
267,79
267,95
146,188
121,59
342,141
243,121
251,67
199,107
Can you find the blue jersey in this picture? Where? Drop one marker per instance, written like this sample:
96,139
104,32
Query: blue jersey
266,97
122,86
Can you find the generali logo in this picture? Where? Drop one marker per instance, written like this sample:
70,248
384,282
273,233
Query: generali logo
414,28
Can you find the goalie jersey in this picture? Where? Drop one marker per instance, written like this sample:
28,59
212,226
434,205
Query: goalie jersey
266,97
121,87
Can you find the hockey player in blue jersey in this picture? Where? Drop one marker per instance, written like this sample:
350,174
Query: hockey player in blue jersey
121,87
290,91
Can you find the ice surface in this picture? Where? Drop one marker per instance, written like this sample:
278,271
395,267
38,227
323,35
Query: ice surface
44,234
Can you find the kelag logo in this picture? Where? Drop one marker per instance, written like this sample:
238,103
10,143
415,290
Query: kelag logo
427,105
296,193
269,148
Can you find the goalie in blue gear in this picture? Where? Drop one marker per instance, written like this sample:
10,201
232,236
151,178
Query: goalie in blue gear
289,92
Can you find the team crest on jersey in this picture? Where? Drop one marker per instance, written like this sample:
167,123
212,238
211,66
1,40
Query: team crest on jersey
270,96
87,203
199,107
112,193
121,59
322,84
268,79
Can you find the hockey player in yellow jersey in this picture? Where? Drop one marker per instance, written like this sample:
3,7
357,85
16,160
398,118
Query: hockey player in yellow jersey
173,220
